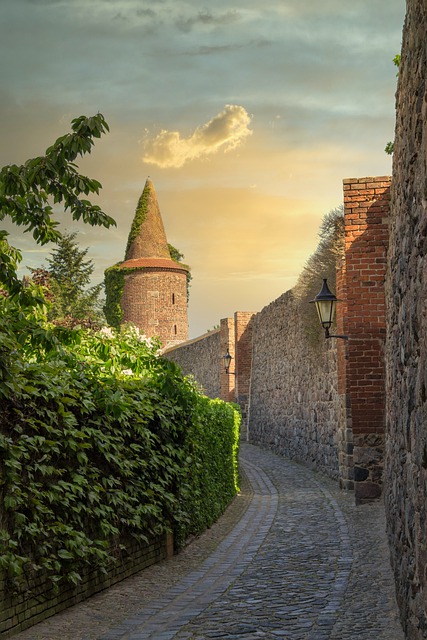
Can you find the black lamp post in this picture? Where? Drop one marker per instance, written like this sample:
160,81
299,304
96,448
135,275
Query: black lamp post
326,302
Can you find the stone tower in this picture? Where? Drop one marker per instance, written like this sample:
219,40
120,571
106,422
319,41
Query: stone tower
154,293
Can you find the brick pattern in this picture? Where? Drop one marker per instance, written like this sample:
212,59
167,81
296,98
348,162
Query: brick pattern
227,380
362,318
23,610
155,300
203,359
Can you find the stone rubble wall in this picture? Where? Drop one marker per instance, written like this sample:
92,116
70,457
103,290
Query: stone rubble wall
294,403
406,346
286,386
201,358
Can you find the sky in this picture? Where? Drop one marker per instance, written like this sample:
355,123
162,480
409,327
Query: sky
246,115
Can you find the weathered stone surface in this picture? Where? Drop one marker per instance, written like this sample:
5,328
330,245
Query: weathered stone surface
294,403
201,358
406,351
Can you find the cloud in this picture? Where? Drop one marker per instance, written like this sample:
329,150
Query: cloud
206,18
225,131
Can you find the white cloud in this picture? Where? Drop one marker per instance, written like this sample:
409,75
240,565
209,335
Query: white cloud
225,131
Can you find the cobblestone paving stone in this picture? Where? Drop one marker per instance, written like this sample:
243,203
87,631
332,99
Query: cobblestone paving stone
301,562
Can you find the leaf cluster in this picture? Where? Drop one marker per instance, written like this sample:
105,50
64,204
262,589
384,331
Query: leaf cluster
321,264
29,192
101,441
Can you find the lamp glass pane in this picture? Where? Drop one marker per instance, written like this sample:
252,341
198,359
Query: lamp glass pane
326,311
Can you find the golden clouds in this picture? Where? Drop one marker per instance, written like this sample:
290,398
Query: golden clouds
225,131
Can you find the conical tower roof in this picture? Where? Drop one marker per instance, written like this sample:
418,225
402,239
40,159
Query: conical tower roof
147,237
147,243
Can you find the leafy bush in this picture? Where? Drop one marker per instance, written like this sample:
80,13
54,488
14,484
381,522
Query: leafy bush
212,442
101,441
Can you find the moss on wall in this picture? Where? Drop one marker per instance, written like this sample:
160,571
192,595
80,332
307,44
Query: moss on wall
140,216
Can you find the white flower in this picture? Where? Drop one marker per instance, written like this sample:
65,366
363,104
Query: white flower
127,372
107,331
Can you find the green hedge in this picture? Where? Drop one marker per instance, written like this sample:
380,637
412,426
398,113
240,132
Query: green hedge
101,440
212,441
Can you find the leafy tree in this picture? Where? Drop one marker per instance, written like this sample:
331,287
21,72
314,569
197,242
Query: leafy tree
69,275
65,286
321,264
29,191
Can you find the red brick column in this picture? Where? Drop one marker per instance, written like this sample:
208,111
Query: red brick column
366,211
243,341
227,380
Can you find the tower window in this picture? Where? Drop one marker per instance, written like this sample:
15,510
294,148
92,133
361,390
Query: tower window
173,298
175,329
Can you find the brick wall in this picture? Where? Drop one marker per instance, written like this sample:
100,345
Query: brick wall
362,318
22,610
155,300
406,349
228,379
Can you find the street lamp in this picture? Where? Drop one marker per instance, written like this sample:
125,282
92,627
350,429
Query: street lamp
326,302
227,361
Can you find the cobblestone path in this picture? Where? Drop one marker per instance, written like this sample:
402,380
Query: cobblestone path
298,561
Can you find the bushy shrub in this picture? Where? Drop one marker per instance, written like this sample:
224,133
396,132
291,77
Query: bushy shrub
102,441
212,442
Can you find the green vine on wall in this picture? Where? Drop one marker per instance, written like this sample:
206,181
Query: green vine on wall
140,216
177,257
114,287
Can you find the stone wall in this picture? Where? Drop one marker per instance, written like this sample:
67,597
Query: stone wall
201,358
406,350
294,402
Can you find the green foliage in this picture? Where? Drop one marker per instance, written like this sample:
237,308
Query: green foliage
212,441
177,256
101,441
29,191
140,216
389,148
114,282
67,280
321,264
396,61
175,253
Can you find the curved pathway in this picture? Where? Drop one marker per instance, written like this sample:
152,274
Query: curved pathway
302,562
